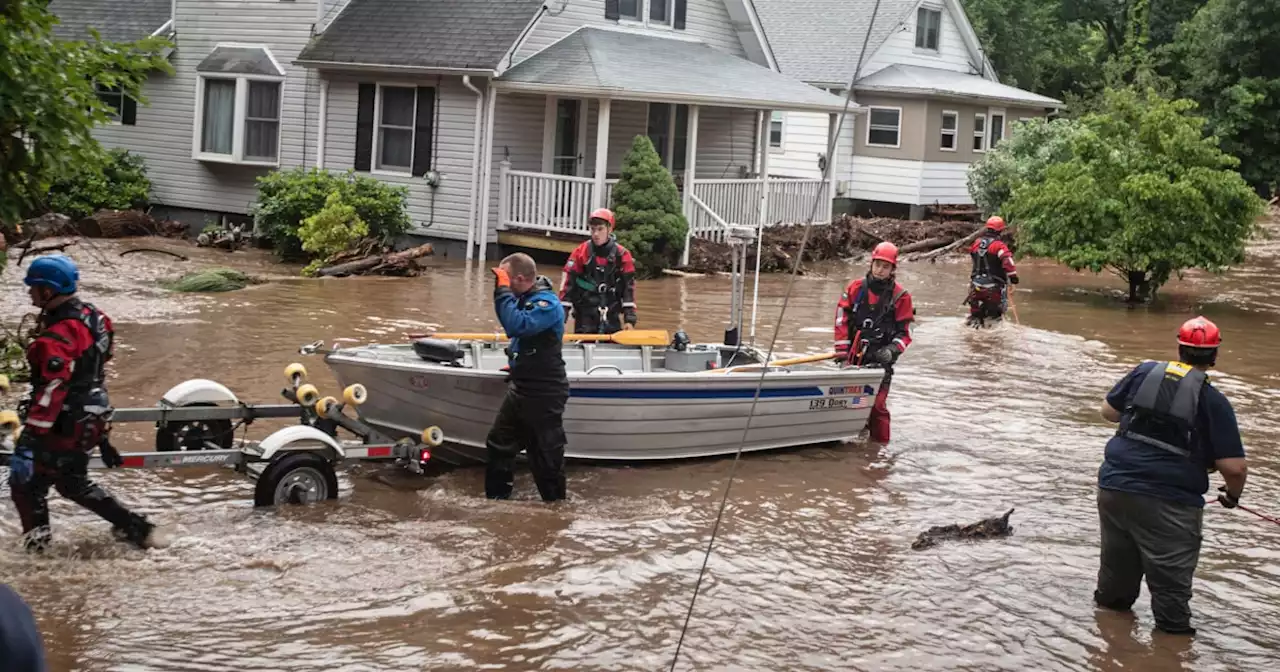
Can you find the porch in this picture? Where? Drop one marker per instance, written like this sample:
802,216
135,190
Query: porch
713,132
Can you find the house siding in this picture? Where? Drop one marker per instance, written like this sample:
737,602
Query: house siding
900,47
705,20
944,182
517,137
887,180
165,127
804,137
443,211
964,149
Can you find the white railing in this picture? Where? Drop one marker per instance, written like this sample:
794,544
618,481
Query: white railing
544,201
608,192
791,200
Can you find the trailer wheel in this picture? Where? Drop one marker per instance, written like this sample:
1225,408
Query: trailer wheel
192,435
296,478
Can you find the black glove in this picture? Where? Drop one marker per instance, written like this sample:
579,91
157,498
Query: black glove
110,456
1227,499
887,355
1013,279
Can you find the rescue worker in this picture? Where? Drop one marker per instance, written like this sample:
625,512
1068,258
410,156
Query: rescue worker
1175,427
21,648
65,417
873,327
599,281
531,418
993,270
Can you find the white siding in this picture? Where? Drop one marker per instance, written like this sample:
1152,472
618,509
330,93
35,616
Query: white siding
706,20
952,53
945,182
517,135
165,128
726,142
443,213
804,137
887,180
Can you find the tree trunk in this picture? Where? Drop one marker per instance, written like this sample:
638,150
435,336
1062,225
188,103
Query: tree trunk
1139,286
369,263
926,244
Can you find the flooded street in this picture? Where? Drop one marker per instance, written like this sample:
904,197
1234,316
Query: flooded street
812,569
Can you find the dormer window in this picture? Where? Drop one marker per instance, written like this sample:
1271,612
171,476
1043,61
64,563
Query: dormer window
648,13
928,28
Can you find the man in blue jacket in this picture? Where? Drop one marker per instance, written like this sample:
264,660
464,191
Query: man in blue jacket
1174,429
531,418
20,647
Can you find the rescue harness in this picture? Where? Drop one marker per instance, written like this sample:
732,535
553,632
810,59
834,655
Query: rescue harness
1163,411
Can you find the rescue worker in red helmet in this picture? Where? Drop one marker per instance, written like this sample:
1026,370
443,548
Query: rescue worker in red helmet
65,417
873,327
993,270
599,281
1174,428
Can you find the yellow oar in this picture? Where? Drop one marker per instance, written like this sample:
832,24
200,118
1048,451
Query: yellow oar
784,362
633,337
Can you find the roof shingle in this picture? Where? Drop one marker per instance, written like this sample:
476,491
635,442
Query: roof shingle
115,20
819,41
902,78
423,33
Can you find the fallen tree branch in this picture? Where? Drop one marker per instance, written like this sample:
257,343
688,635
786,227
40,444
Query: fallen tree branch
378,263
926,244
152,249
36,251
682,274
943,250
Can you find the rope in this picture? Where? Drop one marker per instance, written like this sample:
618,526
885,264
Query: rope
777,328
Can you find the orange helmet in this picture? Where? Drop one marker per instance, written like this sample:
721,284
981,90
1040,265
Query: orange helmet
1198,332
996,224
886,251
602,214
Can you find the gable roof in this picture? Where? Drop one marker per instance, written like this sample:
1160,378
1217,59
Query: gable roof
115,20
639,66
444,34
819,41
919,80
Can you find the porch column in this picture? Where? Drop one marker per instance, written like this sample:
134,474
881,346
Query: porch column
602,154
767,123
834,126
690,171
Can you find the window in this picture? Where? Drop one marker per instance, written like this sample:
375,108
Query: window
979,132
666,13
997,129
659,130
114,98
629,9
660,11
668,130
238,105
883,126
681,142
777,120
928,27
396,112
950,121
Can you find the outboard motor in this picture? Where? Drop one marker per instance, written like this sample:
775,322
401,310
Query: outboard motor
680,341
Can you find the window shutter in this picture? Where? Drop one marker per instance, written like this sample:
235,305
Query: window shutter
611,10
364,127
680,11
129,111
422,131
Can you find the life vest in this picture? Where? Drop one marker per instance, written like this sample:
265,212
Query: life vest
987,267
600,284
536,361
1162,413
86,390
868,321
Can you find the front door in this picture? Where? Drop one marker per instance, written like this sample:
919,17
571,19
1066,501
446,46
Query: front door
567,156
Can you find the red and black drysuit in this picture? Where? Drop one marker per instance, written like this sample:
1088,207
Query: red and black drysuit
65,419
599,277
873,328
993,270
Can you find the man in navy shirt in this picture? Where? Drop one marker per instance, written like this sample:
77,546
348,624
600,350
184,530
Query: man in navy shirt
531,418
1174,429
20,647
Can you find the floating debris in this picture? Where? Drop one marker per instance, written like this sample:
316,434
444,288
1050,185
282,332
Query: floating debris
210,280
987,528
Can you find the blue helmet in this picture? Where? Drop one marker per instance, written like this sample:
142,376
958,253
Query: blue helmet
56,271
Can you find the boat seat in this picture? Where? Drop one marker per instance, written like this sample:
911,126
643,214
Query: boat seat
438,351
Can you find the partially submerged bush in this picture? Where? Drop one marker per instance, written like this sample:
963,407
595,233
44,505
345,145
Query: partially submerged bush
334,229
210,280
118,182
286,199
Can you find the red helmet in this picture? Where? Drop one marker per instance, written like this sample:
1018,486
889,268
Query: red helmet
603,214
886,251
996,223
1198,332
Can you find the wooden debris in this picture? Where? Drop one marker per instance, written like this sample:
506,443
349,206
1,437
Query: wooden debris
987,528
152,249
31,251
682,274
395,263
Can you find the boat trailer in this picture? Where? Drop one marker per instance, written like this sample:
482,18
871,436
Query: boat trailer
293,465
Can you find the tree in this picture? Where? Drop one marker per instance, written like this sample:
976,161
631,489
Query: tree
1145,194
646,205
1228,55
48,103
1023,157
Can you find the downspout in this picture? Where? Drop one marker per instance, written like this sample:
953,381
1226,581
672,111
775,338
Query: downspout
476,159
324,120
487,177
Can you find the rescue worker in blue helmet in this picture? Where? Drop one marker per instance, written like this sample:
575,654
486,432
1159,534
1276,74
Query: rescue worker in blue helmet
531,418
65,418
1174,428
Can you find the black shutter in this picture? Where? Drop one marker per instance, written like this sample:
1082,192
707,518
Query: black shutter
129,112
422,131
611,10
364,127
681,10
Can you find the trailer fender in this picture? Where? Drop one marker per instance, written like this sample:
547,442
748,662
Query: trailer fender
197,391
282,439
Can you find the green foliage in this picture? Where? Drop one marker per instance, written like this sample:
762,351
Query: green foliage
1145,194
210,280
48,105
1032,146
646,204
332,230
287,198
119,183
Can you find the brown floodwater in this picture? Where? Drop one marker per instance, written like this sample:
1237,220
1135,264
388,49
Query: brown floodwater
812,569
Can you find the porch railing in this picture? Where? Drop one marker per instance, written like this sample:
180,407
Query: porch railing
544,201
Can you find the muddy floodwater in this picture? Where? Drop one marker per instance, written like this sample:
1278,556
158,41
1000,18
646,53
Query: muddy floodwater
812,569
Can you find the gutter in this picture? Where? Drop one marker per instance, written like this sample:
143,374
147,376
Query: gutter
711,101
382,67
476,160
324,121
961,97
487,173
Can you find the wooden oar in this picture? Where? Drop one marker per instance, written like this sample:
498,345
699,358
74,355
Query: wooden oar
782,362
657,337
